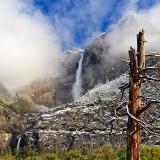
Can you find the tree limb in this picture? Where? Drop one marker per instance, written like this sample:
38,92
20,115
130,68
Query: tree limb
156,54
141,71
149,78
123,88
147,106
134,118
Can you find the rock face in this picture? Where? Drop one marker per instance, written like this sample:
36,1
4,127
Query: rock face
97,67
64,84
9,122
74,125
39,92
4,139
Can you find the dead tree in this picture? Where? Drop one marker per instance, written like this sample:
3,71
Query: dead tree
137,76
137,62
135,105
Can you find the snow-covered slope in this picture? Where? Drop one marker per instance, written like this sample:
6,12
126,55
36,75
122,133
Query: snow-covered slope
104,91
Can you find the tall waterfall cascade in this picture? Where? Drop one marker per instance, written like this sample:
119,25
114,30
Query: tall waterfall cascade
77,86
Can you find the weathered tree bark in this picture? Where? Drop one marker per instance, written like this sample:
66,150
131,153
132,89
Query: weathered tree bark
140,50
137,62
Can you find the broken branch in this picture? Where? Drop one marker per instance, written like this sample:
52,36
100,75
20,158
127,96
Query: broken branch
147,106
123,88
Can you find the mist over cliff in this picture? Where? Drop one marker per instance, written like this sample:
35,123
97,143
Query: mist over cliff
29,47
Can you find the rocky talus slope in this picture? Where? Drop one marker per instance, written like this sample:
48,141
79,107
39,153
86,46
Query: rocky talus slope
86,122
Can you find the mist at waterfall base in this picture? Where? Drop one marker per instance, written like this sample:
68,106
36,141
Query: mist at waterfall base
77,86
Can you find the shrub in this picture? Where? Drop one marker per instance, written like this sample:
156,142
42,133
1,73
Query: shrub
28,152
7,151
145,155
121,155
42,150
51,156
96,154
150,152
74,155
108,152
104,153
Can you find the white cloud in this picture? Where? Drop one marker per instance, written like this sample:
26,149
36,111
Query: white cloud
84,16
29,49
123,35
87,18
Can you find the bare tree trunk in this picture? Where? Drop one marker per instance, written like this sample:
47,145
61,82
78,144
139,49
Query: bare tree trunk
137,62
140,50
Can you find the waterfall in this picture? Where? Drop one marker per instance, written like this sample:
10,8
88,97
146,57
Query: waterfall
18,145
77,86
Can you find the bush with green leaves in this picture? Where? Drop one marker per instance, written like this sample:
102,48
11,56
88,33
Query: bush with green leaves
7,155
27,152
106,152
121,155
74,155
147,153
150,152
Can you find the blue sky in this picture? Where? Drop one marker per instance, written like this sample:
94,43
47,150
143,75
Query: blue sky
76,22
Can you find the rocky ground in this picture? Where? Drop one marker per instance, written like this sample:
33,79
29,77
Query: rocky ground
86,122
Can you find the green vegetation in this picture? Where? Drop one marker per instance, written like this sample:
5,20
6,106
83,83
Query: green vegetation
147,153
104,153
